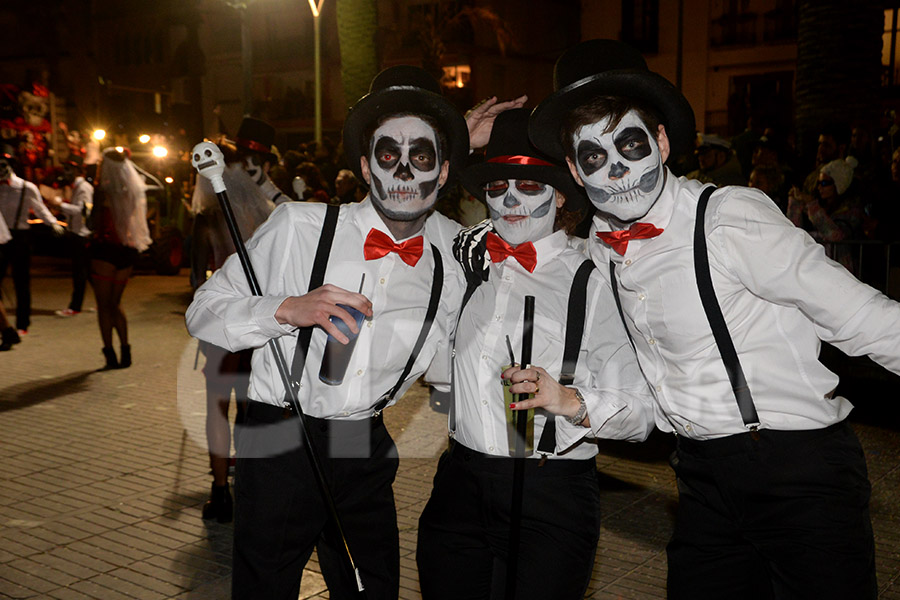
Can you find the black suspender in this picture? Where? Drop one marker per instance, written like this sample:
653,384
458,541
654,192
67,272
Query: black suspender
15,223
437,283
320,263
717,321
575,313
713,315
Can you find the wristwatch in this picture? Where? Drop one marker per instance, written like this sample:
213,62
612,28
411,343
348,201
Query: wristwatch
578,417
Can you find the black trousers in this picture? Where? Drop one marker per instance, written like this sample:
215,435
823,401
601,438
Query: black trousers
280,515
464,529
17,252
784,516
81,266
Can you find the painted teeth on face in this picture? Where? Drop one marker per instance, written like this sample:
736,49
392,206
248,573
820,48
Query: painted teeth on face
521,210
622,169
405,166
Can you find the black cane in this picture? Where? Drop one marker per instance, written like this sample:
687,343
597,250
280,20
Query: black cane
210,162
515,513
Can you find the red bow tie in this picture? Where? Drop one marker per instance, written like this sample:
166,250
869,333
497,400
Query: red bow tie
378,244
618,240
500,251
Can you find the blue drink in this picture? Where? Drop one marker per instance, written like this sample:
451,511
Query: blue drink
336,357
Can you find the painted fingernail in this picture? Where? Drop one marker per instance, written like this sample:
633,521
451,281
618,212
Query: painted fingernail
513,405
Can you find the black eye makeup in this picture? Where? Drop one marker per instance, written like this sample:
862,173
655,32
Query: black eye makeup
422,154
591,156
495,189
633,143
387,152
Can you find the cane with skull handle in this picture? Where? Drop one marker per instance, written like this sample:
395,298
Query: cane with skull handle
210,163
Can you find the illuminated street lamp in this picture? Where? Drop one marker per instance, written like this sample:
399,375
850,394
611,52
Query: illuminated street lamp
144,138
99,134
316,6
160,151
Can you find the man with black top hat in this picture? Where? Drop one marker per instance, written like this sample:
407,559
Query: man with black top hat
388,281
726,303
17,199
254,141
465,526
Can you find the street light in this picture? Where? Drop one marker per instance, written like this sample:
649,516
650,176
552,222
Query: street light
316,6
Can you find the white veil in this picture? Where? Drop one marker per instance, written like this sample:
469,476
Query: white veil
248,203
127,202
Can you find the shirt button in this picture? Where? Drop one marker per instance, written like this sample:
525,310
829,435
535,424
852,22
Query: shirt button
484,402
345,414
651,341
381,281
688,427
491,448
359,372
498,318
659,388
628,262
641,297
368,323
507,278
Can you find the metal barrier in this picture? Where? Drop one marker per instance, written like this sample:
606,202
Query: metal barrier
874,262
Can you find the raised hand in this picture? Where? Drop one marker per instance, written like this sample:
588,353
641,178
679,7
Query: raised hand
480,118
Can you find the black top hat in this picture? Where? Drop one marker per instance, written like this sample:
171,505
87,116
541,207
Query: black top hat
510,155
609,68
9,153
257,136
404,89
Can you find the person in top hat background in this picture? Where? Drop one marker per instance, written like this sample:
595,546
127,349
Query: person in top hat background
76,210
223,371
254,142
464,528
18,198
406,141
773,491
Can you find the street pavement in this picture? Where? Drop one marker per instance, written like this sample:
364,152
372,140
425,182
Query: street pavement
103,473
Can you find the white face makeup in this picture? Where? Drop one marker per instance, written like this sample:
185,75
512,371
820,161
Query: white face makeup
622,170
405,168
521,210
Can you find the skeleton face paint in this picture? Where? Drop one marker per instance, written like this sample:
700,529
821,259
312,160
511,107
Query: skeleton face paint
622,170
521,210
5,169
405,168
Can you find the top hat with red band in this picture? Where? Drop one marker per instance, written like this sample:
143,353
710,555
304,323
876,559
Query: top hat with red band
596,68
510,155
257,136
405,90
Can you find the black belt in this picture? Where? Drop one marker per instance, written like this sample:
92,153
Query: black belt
503,465
741,442
264,413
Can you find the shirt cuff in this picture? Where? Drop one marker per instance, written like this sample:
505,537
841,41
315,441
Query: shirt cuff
264,317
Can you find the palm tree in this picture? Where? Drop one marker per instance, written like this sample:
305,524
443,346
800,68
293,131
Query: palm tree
838,66
357,26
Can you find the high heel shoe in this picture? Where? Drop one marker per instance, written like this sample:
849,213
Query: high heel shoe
111,361
125,360
220,506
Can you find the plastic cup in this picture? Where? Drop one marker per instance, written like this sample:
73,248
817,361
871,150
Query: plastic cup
337,355
511,432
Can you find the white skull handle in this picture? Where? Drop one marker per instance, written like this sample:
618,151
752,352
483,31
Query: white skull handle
210,162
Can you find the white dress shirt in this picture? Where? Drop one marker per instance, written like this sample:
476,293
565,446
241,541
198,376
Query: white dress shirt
779,294
281,250
5,236
10,195
82,195
618,400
